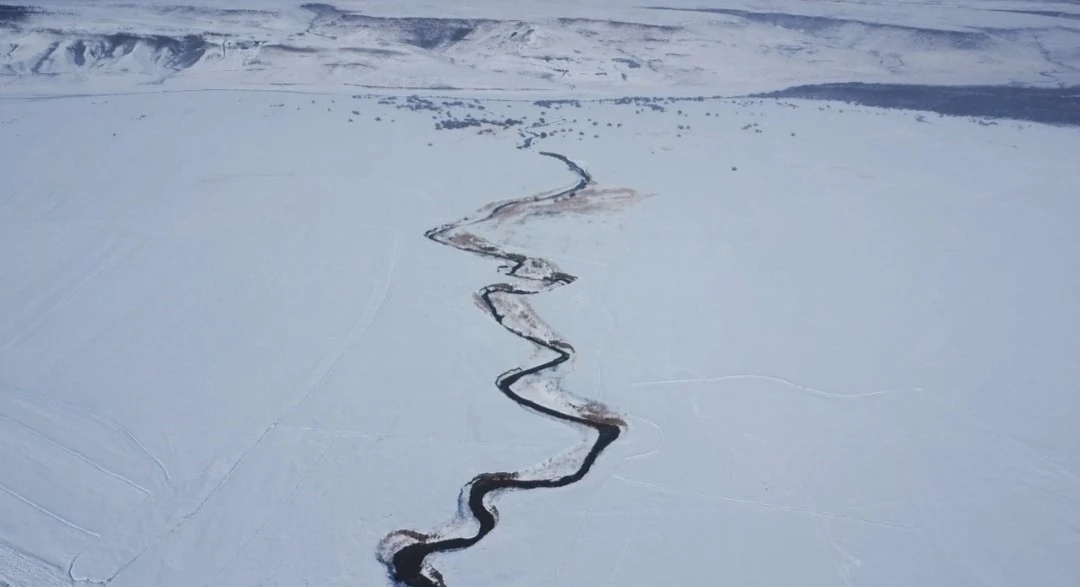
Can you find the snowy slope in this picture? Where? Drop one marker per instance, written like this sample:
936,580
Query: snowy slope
573,48
839,341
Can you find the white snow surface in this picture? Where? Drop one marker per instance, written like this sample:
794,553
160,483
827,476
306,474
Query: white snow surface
844,338
230,358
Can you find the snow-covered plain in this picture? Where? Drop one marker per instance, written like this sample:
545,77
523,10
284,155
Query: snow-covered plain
843,338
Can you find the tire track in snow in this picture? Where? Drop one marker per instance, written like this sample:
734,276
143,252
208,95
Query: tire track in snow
48,512
90,413
534,386
76,454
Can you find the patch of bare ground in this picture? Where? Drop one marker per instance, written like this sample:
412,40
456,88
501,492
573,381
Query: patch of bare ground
589,201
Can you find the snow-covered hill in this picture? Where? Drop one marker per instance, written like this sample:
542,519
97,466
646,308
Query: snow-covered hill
637,50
